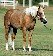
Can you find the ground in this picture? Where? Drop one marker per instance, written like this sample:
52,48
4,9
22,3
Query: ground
42,39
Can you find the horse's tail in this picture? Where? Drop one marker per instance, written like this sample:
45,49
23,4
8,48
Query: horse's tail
4,20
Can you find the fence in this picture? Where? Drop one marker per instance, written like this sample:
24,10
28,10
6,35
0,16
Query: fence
44,3
8,3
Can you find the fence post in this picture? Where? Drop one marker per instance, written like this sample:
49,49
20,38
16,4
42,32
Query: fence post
23,3
43,3
48,2
4,3
13,4
30,3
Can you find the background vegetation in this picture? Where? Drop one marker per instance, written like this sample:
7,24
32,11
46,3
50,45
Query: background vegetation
35,2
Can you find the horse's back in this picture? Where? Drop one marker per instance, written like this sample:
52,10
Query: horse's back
13,17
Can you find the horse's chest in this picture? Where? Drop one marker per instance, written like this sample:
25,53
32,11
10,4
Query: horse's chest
30,26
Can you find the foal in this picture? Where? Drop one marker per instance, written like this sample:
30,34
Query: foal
15,19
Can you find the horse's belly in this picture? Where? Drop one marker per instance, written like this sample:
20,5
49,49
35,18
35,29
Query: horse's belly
30,26
15,23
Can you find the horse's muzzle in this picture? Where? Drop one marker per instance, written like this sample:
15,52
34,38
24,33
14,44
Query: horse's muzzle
44,21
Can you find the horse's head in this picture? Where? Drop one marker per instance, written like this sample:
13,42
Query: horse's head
41,15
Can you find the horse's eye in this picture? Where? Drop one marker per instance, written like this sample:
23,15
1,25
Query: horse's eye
40,13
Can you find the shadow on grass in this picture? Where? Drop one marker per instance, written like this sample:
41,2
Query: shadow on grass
34,49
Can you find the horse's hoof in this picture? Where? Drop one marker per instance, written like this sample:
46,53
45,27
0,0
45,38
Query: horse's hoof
13,49
30,50
6,49
24,50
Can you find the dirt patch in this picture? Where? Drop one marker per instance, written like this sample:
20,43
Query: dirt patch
21,7
50,8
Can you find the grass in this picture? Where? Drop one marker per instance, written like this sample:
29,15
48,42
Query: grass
42,39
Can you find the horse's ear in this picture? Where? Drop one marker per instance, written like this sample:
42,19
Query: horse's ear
39,7
43,7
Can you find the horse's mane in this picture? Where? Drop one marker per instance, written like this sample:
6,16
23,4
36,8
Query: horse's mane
31,10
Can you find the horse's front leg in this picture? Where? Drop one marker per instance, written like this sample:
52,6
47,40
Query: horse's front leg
30,35
24,38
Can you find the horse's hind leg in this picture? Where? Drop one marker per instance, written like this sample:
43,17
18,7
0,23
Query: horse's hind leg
24,38
9,35
6,36
30,35
13,37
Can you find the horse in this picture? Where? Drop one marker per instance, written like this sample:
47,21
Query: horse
24,20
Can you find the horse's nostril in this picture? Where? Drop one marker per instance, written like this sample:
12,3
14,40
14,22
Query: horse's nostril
44,22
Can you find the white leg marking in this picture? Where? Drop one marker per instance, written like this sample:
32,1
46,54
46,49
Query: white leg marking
28,45
29,48
13,45
10,40
7,46
24,48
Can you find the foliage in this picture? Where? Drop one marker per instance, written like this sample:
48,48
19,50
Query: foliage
2,10
34,2
51,2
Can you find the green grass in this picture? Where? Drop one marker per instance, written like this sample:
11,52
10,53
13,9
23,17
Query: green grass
42,39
